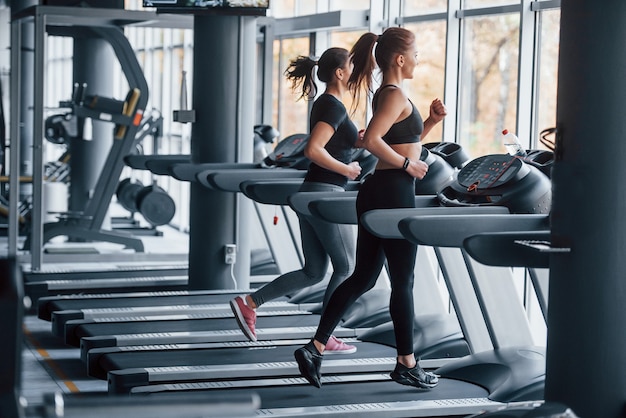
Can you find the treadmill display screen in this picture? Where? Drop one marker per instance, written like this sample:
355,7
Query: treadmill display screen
489,171
231,7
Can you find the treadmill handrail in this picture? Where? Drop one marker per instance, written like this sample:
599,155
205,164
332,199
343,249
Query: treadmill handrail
271,192
229,180
299,202
501,249
161,167
138,161
278,192
451,230
384,222
189,171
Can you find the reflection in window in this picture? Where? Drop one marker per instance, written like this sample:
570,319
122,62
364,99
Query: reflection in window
291,114
488,82
428,81
548,70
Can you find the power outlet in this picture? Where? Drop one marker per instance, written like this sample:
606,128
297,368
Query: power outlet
230,253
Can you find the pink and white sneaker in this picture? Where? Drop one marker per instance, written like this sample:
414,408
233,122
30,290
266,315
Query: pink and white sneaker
246,317
336,346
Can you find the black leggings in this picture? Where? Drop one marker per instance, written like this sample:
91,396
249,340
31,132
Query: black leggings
385,189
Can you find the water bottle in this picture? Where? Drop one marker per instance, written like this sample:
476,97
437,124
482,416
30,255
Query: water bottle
511,142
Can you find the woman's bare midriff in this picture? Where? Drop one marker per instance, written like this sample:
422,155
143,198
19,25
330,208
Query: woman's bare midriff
413,151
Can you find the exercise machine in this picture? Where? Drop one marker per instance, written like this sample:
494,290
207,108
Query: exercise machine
126,115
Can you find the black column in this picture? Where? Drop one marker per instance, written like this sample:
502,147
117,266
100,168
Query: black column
223,118
586,357
11,312
93,65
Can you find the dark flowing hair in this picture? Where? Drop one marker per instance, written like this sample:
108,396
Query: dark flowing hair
300,70
393,41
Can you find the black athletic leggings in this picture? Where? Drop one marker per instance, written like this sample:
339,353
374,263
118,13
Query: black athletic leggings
385,189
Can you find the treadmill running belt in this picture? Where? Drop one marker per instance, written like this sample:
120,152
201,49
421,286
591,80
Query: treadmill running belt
49,306
366,392
299,394
216,356
186,325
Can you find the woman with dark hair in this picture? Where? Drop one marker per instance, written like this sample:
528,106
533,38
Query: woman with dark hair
393,135
330,148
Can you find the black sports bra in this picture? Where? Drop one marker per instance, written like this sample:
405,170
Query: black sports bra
408,130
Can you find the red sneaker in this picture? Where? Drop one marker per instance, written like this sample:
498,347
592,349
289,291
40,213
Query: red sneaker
246,317
336,346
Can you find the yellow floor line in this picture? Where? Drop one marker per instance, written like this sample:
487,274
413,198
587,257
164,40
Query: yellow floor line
52,365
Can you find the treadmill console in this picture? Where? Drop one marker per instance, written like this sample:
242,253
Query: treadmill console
289,153
489,172
500,180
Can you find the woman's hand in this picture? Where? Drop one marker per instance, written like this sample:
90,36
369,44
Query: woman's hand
354,170
417,169
438,111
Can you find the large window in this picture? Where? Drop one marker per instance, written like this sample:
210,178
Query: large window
488,82
548,70
291,113
429,77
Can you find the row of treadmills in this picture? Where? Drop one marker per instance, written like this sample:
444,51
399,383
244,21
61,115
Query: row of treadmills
473,220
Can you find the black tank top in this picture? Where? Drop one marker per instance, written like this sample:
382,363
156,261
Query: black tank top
408,130
340,146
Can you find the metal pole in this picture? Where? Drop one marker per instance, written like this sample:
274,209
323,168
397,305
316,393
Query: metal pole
14,162
36,220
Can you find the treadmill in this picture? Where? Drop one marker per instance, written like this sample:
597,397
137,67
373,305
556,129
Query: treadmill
73,324
115,377
527,193
441,341
297,398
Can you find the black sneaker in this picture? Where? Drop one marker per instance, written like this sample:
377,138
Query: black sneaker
414,377
309,365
